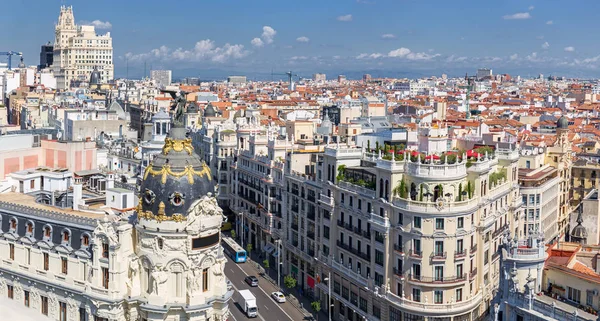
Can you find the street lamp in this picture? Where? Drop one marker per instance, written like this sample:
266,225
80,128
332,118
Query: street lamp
279,263
328,279
242,235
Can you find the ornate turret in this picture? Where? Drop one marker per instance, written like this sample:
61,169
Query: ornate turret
579,234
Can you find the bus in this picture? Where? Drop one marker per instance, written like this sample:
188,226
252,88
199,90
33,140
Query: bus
234,250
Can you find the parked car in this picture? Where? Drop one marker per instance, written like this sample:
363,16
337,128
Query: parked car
251,280
278,296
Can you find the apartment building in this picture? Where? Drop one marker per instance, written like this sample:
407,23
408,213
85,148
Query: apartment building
78,50
539,191
412,239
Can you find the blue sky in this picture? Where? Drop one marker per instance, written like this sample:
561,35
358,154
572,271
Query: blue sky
336,36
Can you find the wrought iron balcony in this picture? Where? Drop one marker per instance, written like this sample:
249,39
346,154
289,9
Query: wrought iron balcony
435,256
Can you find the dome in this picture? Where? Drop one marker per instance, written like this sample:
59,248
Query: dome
174,180
161,115
209,111
95,77
192,108
579,233
562,123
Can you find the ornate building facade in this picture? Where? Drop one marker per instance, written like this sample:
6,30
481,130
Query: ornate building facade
161,260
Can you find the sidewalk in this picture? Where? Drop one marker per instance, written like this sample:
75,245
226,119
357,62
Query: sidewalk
304,302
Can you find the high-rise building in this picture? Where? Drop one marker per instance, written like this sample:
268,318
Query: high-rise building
236,80
78,50
319,77
341,79
161,77
46,55
484,73
366,77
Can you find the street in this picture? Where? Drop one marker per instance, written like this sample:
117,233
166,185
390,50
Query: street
268,309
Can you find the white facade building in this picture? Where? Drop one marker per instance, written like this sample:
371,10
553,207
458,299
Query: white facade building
78,50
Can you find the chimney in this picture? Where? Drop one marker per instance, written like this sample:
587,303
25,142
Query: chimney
77,196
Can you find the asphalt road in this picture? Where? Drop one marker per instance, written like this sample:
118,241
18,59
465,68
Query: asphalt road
268,309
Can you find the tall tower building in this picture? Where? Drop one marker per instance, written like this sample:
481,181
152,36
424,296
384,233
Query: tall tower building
78,50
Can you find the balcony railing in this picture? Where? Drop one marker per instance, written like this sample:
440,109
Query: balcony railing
473,274
473,249
398,248
416,253
438,279
340,223
495,255
500,230
460,254
398,273
438,256
349,227
366,234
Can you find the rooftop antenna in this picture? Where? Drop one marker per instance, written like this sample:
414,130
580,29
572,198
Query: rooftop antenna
127,63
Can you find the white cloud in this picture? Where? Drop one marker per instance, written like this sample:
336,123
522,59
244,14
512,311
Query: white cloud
369,56
407,54
549,22
257,42
540,37
345,18
203,50
531,8
533,57
388,36
454,58
400,52
299,58
268,34
517,16
545,45
514,57
104,25
569,49
302,39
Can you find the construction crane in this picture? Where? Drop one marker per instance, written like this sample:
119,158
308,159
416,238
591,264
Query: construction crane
290,75
10,54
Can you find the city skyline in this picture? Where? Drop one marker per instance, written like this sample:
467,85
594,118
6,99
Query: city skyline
351,36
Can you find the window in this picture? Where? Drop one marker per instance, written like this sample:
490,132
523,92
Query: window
378,257
589,298
105,277
66,236
26,298
105,250
416,271
378,279
11,248
573,295
417,246
359,204
32,184
438,297
439,223
376,311
85,240
47,231
63,311
13,224
439,273
46,262
458,295
417,222
44,305
11,291
65,265
28,255
205,280
459,270
461,222
485,256
363,304
29,228
459,246
416,295
82,314
439,248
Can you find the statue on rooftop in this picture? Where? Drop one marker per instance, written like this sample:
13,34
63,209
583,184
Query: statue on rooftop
180,106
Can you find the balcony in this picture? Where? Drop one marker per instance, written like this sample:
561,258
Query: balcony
500,230
366,234
365,256
357,189
473,249
416,253
495,256
473,274
362,281
438,256
326,200
399,248
398,273
340,223
379,221
460,254
349,227
438,279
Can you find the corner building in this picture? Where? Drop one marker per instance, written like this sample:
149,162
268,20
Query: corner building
411,238
162,261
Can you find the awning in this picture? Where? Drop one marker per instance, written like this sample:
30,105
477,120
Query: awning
311,282
268,248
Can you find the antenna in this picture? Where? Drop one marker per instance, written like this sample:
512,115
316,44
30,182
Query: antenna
127,63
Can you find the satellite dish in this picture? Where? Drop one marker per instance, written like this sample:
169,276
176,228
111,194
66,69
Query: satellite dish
540,150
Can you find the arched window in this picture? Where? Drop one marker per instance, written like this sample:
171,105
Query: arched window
29,229
413,191
177,279
85,240
13,224
381,187
437,191
66,237
387,188
47,232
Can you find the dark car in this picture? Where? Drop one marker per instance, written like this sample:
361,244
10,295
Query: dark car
251,280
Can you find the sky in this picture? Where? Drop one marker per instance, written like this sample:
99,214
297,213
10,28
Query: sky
412,38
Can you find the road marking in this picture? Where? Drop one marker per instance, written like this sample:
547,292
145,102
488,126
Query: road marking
282,310
231,270
231,314
266,307
260,316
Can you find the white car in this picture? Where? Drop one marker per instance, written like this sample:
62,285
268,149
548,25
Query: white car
278,296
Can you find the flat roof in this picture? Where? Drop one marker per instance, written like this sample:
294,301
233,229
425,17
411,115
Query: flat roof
29,201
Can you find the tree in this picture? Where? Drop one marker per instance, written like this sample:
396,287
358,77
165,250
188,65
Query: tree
266,263
369,145
421,193
341,172
289,281
470,189
460,191
376,146
249,249
316,306
233,234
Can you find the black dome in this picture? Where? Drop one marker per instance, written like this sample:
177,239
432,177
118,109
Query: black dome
562,123
192,108
174,180
209,111
95,78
